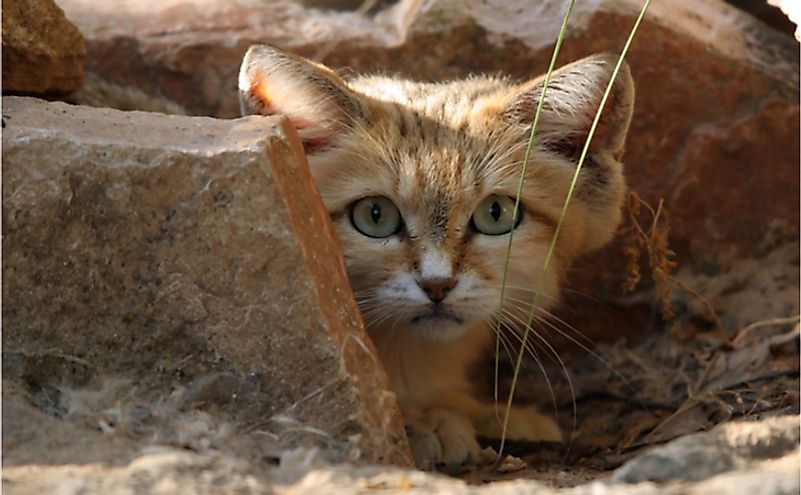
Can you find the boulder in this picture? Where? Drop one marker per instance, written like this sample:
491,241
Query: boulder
176,280
43,52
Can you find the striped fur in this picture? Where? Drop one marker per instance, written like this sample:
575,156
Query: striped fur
436,151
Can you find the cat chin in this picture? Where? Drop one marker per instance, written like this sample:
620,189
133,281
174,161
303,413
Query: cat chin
438,327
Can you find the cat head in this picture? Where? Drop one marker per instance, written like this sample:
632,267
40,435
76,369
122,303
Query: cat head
421,179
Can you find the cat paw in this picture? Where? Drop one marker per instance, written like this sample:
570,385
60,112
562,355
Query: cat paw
525,424
424,444
443,438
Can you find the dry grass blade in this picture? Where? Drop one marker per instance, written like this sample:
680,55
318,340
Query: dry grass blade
654,242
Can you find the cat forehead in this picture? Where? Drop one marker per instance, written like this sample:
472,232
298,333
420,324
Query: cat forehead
443,157
441,101
426,159
440,128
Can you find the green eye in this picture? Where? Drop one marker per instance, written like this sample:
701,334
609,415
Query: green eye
494,215
375,216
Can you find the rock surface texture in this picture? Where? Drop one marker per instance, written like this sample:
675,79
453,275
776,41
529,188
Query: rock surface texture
737,458
715,129
43,52
170,276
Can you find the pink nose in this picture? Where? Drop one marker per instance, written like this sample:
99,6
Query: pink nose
437,288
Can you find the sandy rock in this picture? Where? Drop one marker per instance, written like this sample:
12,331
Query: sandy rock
716,119
183,254
728,447
43,52
763,468
189,51
364,5
170,472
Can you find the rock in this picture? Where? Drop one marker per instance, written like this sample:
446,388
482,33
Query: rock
173,255
717,98
43,52
181,472
364,5
171,472
729,447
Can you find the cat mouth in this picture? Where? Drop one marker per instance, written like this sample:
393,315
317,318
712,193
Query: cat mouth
437,314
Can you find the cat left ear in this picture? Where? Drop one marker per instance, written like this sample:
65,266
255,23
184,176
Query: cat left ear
573,97
316,100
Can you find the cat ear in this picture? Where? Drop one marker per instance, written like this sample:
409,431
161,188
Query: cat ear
573,97
315,99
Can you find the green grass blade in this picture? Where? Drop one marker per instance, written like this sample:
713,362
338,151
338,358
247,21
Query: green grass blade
573,183
529,148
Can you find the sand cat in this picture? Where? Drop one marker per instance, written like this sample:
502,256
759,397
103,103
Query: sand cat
420,181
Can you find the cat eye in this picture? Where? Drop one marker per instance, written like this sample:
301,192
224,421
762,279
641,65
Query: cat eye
375,216
495,215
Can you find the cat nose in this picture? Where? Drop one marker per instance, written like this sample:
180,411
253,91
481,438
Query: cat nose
437,288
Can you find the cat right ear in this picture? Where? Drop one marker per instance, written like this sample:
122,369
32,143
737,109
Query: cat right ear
316,100
573,97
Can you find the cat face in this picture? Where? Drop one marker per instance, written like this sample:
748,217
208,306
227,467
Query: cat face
421,179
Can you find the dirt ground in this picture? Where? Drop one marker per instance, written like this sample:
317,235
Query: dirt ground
625,400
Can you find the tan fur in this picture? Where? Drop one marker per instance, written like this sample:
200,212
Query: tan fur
436,151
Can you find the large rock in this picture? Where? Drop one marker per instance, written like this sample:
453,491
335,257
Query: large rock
715,128
43,52
162,266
